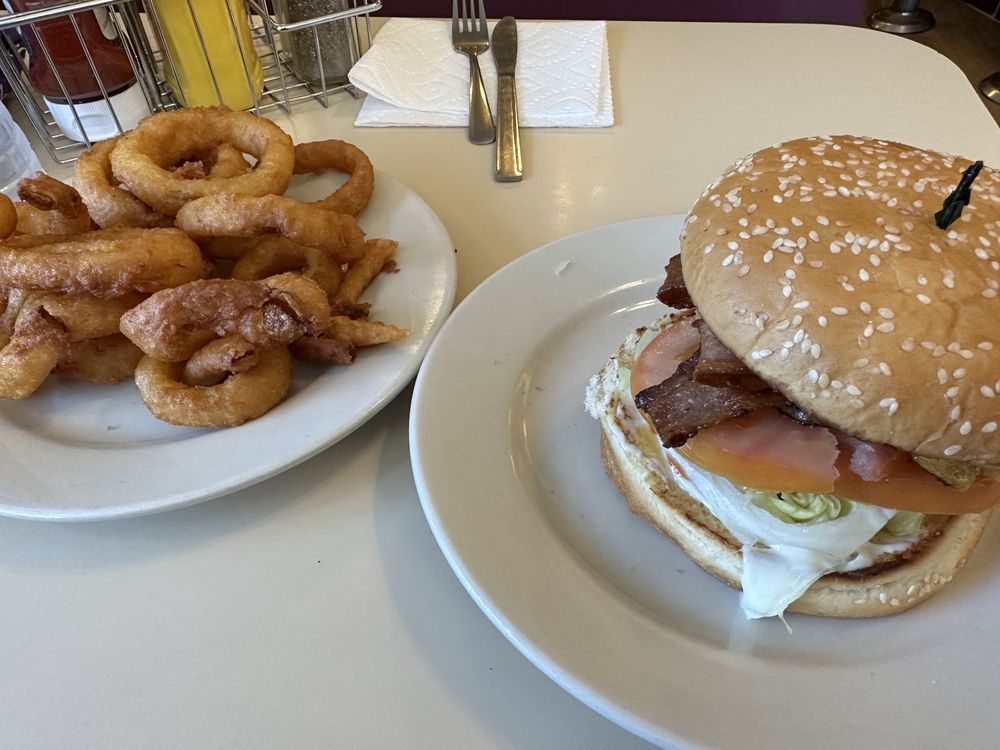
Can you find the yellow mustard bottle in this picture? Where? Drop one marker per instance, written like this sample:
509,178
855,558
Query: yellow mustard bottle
212,59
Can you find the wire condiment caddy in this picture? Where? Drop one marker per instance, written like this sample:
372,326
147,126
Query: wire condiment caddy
133,65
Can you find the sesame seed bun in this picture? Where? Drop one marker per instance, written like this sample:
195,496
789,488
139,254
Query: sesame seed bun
819,264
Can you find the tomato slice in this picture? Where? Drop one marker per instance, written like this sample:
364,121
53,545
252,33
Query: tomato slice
907,486
768,451
659,360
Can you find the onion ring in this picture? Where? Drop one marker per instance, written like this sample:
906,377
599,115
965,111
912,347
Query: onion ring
322,156
173,324
105,360
111,206
219,359
105,263
378,253
50,207
141,158
8,217
272,255
28,357
324,350
237,399
235,215
84,316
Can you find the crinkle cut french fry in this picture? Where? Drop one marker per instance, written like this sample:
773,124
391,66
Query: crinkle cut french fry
361,272
364,332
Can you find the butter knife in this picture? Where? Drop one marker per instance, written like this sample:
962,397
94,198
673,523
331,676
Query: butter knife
504,46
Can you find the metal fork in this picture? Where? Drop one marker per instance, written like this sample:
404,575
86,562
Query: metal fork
472,39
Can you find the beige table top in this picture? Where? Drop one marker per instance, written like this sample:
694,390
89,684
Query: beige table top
216,625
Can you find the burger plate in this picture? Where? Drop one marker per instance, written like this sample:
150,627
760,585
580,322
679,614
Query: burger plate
77,451
508,470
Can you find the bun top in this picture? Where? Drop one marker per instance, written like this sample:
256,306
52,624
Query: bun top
819,264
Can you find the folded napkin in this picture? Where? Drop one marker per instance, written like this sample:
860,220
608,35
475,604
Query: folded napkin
413,76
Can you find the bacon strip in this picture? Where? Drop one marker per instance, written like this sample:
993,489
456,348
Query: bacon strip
681,406
672,291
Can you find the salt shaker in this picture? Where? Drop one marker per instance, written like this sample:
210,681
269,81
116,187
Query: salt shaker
322,52
17,160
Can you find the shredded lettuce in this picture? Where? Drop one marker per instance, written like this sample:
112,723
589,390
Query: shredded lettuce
801,507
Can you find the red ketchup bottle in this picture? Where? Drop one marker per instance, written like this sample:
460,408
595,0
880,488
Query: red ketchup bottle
62,67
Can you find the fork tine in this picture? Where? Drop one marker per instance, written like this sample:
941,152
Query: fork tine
482,16
454,17
469,22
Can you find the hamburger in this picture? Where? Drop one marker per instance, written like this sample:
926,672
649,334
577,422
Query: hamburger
816,422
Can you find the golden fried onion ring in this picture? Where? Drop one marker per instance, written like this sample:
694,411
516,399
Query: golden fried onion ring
142,158
110,205
235,215
105,360
50,207
272,255
105,263
237,399
8,217
173,324
322,156
219,359
29,354
84,316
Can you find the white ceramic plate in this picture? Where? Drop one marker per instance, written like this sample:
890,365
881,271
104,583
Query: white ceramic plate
76,451
507,466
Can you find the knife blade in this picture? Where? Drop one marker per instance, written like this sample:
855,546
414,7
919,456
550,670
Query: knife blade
504,46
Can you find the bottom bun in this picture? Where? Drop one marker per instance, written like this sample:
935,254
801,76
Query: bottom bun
893,583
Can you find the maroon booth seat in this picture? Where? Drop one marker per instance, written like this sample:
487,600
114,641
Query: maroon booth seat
847,12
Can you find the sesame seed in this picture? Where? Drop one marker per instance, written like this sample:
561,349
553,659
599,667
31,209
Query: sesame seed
863,274
951,392
815,351
884,368
838,310
812,375
989,427
733,245
942,375
987,391
843,191
949,282
802,305
768,256
822,321
761,353
966,427
924,298
906,345
875,260
984,345
728,260
959,373
787,291
951,450
822,220
835,248
886,327
853,390
709,248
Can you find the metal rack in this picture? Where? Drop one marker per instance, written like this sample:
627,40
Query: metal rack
137,25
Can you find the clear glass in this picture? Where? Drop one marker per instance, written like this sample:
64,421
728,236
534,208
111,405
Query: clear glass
17,159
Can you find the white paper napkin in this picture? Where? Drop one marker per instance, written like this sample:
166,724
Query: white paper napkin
413,76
